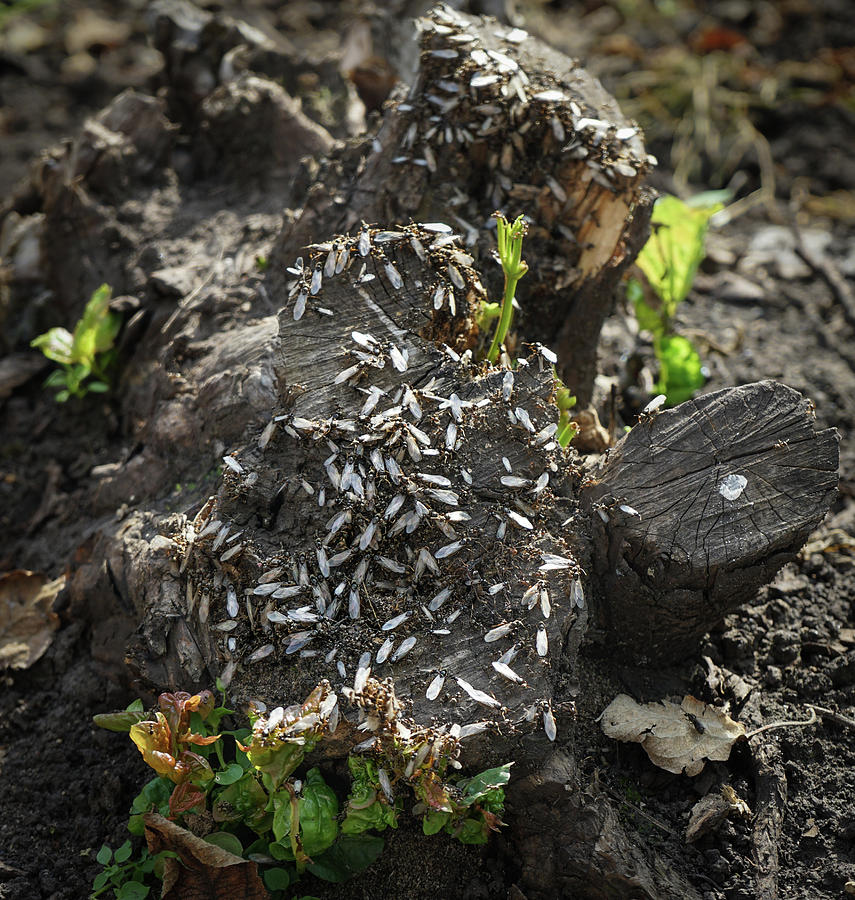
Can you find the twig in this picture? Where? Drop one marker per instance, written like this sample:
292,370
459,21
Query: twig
833,716
772,725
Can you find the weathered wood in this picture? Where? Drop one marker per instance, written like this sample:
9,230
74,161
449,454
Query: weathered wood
771,785
498,120
433,443
572,844
720,493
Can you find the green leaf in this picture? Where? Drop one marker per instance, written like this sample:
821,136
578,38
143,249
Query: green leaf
104,855
56,344
226,841
232,773
367,808
155,794
55,379
280,851
62,396
671,256
123,853
245,800
100,880
649,319
89,331
97,387
216,715
278,761
680,369
477,788
318,814
135,706
348,856
136,825
434,821
118,721
472,831
132,890
276,879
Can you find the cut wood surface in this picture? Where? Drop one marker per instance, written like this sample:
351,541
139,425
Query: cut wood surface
699,506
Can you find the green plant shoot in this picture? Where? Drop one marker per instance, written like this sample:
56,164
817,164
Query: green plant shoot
670,260
86,355
565,401
510,238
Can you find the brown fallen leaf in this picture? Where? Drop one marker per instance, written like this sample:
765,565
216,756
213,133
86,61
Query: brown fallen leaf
27,623
710,811
676,738
204,871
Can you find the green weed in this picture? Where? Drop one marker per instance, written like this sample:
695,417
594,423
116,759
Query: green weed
86,355
249,782
669,261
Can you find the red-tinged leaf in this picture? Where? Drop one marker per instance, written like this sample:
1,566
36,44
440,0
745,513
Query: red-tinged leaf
202,870
200,740
198,768
494,823
432,791
173,707
717,37
185,796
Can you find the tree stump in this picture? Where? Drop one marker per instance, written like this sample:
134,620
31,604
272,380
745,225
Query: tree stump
699,506
381,493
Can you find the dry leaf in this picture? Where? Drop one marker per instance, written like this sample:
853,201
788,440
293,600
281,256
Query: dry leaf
26,621
710,811
676,738
205,871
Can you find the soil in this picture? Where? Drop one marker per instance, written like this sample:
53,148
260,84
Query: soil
758,310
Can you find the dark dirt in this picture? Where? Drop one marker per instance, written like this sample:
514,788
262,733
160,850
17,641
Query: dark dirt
757,311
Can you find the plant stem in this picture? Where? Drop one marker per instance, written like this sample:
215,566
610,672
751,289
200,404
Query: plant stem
509,239
505,318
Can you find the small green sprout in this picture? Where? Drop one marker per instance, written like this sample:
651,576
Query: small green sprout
670,260
124,875
510,238
565,401
86,354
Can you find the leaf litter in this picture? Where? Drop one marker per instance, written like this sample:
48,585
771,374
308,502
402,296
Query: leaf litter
677,738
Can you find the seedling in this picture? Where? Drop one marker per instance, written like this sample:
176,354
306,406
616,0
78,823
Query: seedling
86,355
510,238
669,261
124,875
288,823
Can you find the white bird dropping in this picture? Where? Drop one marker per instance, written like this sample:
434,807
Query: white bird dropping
732,486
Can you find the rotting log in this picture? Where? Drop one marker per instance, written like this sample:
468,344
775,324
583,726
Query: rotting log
495,119
698,507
